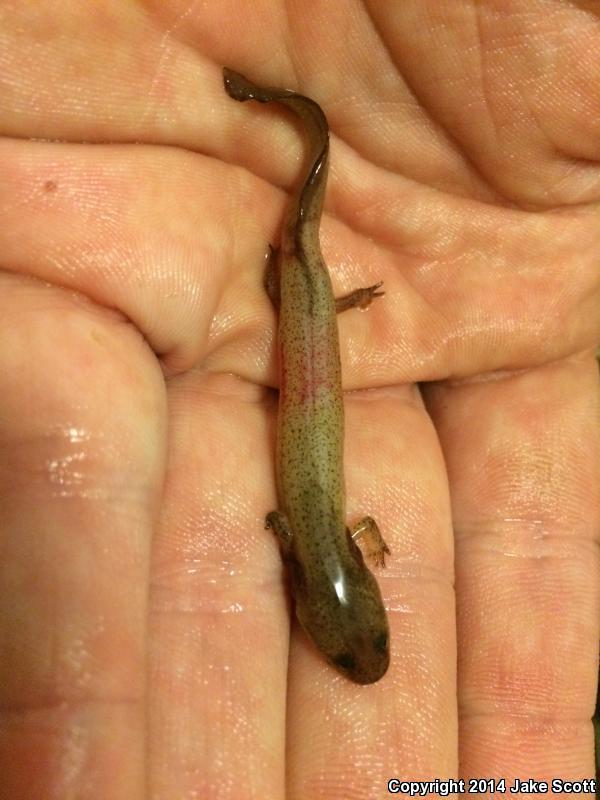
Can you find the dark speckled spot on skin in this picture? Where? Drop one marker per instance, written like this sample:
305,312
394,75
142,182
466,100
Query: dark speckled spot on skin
345,661
50,186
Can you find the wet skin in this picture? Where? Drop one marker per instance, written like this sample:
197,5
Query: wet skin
338,601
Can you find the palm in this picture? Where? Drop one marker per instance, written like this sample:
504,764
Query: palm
464,175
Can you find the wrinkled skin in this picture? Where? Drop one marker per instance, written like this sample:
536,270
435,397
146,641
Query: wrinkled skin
145,624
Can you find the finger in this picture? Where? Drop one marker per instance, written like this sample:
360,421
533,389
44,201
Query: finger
71,215
171,241
219,620
523,460
470,288
348,740
142,230
473,287
74,88
82,440
513,89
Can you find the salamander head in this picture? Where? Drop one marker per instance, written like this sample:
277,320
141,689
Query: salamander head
342,612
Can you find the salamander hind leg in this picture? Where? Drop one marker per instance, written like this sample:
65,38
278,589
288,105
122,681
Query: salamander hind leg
271,278
279,523
375,548
359,298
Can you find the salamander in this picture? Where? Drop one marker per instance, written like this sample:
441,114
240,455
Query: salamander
337,599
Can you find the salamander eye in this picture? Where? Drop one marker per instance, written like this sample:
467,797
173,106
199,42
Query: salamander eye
345,661
380,642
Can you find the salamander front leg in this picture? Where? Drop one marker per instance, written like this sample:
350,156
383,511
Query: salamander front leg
279,524
360,298
375,546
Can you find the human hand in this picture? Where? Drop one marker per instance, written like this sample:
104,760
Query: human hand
145,626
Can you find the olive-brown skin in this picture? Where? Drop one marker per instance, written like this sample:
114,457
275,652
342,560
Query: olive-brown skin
338,601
